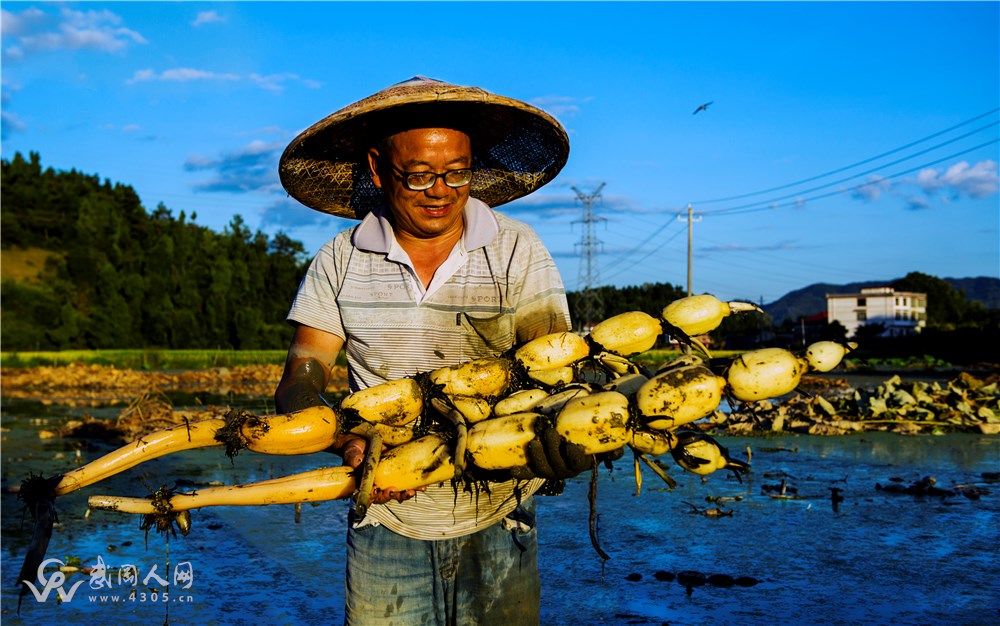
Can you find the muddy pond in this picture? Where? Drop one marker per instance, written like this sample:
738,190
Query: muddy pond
869,556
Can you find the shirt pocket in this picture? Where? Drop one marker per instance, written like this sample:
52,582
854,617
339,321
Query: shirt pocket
486,335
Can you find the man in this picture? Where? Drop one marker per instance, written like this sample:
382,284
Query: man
431,277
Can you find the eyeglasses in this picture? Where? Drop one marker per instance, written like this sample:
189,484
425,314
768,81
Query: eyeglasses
421,181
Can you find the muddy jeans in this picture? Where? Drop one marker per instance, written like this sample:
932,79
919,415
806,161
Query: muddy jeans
489,577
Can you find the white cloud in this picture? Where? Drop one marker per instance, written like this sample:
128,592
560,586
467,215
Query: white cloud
126,129
271,82
13,53
917,203
871,190
744,247
927,179
32,31
257,146
265,130
253,168
977,181
276,82
10,123
198,162
180,74
567,106
556,203
286,213
207,17
961,179
6,87
184,74
958,180
13,24
141,75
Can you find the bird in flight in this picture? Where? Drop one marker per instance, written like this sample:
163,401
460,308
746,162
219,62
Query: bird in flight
703,107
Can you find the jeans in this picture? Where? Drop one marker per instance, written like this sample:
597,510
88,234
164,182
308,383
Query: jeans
488,577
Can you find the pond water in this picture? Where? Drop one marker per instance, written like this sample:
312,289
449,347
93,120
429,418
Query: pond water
875,558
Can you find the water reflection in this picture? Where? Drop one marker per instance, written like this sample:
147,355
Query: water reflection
874,558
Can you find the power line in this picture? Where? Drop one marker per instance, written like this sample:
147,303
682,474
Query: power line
755,207
648,254
769,203
859,174
638,247
847,167
752,208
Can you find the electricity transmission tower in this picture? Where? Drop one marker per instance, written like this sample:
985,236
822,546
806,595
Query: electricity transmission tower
589,307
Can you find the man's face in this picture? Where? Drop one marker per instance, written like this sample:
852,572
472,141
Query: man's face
433,212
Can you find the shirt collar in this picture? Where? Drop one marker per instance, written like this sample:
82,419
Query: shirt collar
374,233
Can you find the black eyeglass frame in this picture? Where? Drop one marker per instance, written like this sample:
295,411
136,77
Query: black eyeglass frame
406,178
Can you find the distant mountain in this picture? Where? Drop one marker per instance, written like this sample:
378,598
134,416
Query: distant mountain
812,299
980,289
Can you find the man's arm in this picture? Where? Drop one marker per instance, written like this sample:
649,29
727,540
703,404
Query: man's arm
311,357
310,360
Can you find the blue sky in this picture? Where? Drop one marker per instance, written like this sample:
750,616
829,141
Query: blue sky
845,141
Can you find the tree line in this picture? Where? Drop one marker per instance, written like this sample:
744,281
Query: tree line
119,277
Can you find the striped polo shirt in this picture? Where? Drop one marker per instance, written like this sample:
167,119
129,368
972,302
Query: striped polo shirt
498,287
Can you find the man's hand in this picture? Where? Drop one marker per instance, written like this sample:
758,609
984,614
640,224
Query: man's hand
311,356
301,388
551,456
352,450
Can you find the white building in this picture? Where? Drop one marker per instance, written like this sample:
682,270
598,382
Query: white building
900,312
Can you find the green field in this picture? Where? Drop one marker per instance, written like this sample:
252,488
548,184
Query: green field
204,359
146,359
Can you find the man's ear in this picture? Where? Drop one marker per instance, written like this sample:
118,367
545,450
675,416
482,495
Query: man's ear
373,157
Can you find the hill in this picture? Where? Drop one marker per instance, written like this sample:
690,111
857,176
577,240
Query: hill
25,264
86,266
812,299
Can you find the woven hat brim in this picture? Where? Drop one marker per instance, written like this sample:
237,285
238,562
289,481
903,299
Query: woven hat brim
516,147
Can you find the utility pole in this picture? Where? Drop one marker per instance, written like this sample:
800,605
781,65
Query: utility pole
589,308
690,219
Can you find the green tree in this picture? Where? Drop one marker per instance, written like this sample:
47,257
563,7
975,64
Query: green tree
835,331
23,307
947,307
868,332
120,277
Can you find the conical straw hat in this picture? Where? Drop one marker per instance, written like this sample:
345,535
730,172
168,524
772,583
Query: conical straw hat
516,148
